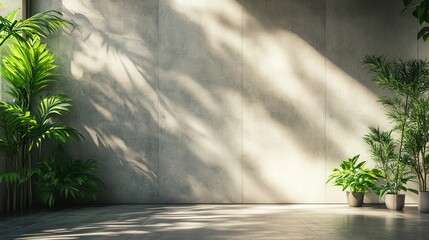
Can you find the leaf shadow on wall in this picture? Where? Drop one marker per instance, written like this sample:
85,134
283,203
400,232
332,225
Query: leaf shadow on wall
215,105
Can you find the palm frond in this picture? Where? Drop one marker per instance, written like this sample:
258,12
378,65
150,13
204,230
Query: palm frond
53,105
60,132
38,26
28,70
10,178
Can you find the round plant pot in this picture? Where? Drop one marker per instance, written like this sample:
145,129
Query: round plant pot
395,201
424,202
355,199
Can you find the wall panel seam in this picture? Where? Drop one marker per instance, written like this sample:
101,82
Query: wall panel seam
242,101
159,108
326,92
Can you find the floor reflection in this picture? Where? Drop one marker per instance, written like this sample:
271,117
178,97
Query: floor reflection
213,221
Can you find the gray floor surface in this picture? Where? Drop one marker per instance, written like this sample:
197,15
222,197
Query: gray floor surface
213,221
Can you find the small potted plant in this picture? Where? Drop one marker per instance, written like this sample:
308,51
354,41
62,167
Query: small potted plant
392,170
353,175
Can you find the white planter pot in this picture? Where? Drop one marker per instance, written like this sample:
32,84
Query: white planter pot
395,201
424,202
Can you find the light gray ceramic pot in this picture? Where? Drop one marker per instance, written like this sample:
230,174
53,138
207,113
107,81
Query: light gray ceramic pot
355,199
424,202
395,201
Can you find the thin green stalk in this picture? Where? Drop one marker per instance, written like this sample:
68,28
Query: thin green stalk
21,195
30,190
403,126
8,198
14,198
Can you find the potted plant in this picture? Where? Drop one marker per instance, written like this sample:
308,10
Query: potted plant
353,175
392,171
408,108
416,143
27,74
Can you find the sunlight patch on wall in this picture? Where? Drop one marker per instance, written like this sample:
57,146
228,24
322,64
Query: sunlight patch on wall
352,109
222,16
292,95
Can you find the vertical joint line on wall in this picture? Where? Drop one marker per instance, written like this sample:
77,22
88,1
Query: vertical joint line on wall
326,104
159,108
242,101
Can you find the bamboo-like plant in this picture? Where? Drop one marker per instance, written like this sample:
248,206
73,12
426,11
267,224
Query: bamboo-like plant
28,70
408,108
393,173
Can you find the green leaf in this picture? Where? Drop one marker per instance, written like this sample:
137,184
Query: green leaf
10,178
50,106
412,190
422,32
12,16
425,36
39,25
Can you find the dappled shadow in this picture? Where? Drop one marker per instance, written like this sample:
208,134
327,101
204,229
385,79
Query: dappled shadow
216,101
218,222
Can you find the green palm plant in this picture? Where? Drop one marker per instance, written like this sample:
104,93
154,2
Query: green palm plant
407,107
28,70
416,140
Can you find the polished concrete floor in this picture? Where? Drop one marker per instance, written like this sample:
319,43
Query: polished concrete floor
272,221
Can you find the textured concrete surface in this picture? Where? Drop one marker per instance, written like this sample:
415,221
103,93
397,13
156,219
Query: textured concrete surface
200,112
224,101
283,127
11,5
290,222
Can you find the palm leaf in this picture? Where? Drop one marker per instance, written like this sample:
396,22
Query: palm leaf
60,132
40,25
53,105
10,178
28,70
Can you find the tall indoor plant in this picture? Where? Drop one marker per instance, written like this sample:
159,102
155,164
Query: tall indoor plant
28,71
29,117
408,108
15,117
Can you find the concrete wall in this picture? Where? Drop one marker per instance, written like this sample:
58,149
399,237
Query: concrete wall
224,101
